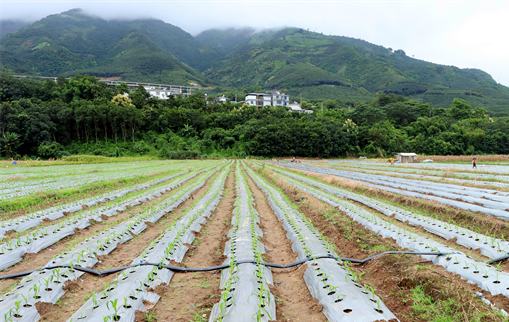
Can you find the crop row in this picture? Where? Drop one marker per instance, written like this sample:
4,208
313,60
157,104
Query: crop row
246,295
11,252
336,286
132,287
482,274
31,220
489,246
477,179
478,204
19,188
46,285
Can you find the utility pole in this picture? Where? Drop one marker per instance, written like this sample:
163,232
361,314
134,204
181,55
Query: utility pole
300,103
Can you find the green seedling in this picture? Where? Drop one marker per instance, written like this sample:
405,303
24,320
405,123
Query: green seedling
115,307
25,301
17,306
36,290
126,304
340,298
47,282
57,275
95,301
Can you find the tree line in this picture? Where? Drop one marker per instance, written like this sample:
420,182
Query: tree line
81,115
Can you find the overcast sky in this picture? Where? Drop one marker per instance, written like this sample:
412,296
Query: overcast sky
467,34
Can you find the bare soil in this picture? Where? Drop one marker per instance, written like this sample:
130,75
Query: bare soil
191,296
123,255
293,300
388,274
477,222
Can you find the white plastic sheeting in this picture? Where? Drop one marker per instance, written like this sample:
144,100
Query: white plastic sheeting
33,288
337,290
11,252
498,211
131,287
489,246
483,275
246,295
26,222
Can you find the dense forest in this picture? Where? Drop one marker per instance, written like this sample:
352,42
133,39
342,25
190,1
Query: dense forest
81,115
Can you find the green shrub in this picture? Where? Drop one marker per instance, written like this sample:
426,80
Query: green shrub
52,150
178,154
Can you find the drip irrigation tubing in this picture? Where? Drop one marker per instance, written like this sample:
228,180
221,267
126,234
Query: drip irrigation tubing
498,259
177,269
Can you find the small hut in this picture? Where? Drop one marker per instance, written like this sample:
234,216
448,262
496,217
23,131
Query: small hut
406,157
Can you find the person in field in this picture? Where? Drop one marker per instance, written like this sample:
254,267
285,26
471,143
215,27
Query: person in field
392,161
474,161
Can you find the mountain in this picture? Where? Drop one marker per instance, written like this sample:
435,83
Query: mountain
224,41
74,42
330,66
301,63
9,26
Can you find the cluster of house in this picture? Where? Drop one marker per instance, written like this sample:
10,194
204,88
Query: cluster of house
274,98
260,100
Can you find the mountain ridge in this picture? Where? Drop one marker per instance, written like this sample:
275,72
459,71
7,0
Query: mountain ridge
300,62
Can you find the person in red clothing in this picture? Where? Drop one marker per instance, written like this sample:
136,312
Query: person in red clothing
474,166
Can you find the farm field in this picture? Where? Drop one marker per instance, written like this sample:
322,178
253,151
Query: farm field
245,240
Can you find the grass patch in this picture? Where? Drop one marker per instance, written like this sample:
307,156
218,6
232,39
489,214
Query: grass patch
449,309
49,196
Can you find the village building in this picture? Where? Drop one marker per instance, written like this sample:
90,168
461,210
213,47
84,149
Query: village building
406,157
273,98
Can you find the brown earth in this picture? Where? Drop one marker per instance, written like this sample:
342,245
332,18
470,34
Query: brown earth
123,255
94,191
476,222
388,273
191,296
293,300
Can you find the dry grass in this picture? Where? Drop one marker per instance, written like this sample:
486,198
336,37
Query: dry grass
477,222
399,281
466,158
15,178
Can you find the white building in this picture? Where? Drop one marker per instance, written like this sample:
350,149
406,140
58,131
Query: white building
163,93
273,98
295,107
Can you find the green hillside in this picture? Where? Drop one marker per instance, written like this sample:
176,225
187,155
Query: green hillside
304,62
299,62
226,41
75,43
9,26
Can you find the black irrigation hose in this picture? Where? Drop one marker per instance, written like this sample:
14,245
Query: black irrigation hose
177,269
498,259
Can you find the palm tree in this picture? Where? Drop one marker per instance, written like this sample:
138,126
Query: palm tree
187,129
9,142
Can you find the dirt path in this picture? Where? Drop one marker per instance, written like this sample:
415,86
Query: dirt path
123,255
293,300
190,296
392,276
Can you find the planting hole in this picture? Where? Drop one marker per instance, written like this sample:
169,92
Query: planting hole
347,310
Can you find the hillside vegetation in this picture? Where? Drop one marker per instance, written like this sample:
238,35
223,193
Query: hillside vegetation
302,63
73,42
84,116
